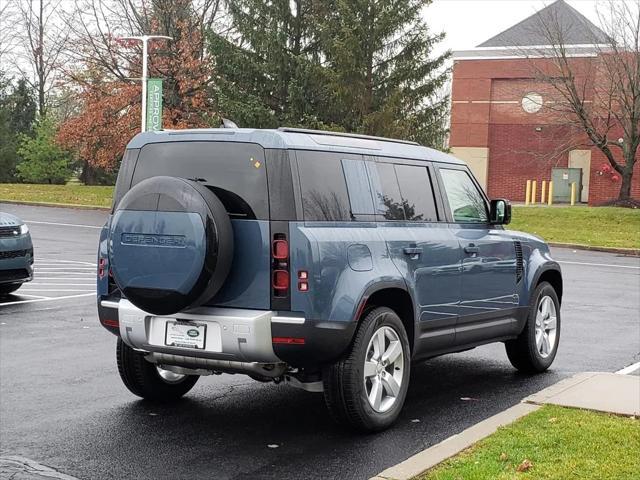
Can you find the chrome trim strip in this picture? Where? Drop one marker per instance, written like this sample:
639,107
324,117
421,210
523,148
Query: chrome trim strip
109,304
292,320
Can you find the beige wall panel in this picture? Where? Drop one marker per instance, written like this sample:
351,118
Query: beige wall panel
582,159
477,158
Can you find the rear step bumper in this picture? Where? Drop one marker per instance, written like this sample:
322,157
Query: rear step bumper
232,335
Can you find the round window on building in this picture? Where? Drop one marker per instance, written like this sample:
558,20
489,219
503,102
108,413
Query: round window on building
532,102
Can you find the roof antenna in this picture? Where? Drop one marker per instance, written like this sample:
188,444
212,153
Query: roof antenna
226,123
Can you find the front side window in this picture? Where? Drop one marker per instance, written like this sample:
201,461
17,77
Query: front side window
465,200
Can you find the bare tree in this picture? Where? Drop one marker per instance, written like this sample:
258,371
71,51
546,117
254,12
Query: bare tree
8,41
597,96
43,38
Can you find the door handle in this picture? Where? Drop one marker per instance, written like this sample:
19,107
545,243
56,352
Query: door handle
471,249
412,250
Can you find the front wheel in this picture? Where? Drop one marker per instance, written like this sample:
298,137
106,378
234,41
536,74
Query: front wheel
367,388
535,348
148,380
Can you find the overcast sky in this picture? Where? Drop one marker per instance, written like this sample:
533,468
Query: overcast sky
468,23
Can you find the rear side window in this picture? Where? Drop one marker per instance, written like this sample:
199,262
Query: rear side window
406,193
417,193
234,171
389,198
324,191
465,200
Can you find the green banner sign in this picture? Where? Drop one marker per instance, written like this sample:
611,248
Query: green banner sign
154,104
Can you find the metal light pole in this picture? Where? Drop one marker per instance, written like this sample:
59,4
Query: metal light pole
145,39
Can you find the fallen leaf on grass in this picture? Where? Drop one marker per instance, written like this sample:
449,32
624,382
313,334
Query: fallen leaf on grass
553,420
524,466
504,457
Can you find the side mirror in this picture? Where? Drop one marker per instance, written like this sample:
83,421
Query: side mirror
500,212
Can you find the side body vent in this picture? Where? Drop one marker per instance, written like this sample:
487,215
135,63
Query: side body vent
519,262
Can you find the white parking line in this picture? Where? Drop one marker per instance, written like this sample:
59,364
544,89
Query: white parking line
45,259
62,224
46,299
61,284
630,369
58,290
599,264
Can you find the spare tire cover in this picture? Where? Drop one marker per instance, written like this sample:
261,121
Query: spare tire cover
171,245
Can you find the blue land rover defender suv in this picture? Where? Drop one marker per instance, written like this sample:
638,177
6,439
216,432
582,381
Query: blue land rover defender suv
328,261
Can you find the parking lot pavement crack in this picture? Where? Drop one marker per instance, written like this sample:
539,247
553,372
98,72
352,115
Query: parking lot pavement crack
21,468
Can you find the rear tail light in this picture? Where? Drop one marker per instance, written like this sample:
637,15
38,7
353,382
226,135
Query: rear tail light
280,266
280,280
280,250
288,340
102,264
303,280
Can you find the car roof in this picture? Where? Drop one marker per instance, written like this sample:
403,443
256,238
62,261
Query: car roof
300,139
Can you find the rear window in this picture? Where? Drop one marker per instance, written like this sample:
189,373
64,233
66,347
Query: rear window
234,171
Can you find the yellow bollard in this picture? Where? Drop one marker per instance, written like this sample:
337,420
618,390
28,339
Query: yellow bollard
527,193
533,192
550,201
573,193
543,192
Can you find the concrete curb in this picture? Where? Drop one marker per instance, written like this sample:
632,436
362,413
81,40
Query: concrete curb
434,455
634,252
51,204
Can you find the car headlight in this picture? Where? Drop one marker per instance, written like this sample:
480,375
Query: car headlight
24,229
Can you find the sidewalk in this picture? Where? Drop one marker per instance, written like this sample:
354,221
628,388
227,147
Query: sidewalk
603,392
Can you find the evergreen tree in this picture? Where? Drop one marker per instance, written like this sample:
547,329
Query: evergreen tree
383,75
271,74
17,114
43,160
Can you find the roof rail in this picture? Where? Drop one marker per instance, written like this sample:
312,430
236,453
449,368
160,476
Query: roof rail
343,134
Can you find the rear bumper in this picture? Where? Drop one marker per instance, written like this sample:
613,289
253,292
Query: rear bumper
233,334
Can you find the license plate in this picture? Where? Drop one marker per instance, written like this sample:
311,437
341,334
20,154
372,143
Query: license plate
187,335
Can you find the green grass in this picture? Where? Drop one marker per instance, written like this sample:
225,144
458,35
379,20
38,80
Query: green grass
591,226
70,194
560,443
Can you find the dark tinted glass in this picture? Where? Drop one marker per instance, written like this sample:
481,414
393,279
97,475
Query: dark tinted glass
123,182
355,173
390,205
234,171
417,194
465,200
324,192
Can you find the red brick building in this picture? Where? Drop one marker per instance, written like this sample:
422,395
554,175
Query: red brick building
502,120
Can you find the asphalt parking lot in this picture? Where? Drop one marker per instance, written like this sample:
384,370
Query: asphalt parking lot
62,403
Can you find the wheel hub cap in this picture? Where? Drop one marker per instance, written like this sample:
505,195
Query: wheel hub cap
383,369
546,326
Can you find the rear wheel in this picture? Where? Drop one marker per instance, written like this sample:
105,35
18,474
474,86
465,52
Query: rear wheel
535,348
150,381
10,288
367,388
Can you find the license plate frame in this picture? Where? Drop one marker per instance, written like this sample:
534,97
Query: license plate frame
176,334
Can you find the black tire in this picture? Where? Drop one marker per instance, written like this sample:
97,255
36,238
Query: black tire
142,378
344,384
523,352
9,288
